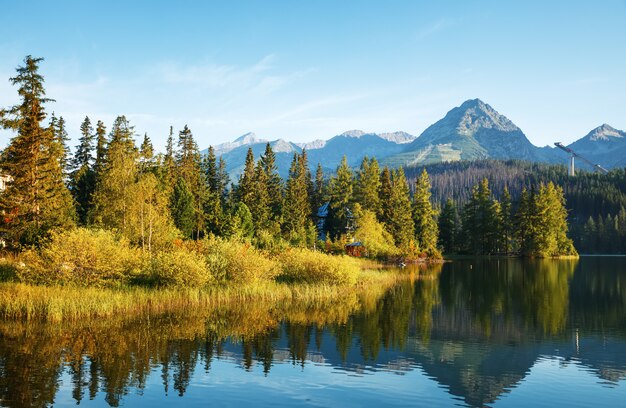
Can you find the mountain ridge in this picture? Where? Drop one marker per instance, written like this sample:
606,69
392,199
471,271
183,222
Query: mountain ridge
473,130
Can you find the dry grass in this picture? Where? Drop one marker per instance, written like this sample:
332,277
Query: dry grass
70,303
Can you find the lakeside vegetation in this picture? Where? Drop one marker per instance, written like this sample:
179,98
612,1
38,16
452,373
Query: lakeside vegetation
124,220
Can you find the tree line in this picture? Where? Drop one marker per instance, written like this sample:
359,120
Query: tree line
153,199
593,200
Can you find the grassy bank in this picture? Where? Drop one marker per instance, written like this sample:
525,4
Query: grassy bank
58,303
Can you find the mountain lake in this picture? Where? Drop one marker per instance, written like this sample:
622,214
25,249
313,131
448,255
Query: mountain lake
471,332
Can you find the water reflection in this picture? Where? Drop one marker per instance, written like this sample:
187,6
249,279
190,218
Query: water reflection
477,327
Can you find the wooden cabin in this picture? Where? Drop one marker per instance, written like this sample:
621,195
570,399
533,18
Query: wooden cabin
356,249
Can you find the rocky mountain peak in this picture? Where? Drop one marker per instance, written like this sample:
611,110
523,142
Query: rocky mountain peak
605,133
248,138
474,114
353,133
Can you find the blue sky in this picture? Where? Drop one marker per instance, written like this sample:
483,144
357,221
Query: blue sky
310,70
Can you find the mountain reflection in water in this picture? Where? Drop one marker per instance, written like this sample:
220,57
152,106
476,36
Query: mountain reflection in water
476,331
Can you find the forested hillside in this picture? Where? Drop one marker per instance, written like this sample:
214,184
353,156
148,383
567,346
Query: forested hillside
595,202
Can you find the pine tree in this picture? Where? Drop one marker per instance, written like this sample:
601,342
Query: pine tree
448,227
296,209
183,208
384,194
112,196
507,222
223,180
168,176
400,223
341,198
36,199
189,168
368,185
63,140
424,217
83,176
319,190
482,223
260,203
245,189
101,148
213,208
146,154
274,182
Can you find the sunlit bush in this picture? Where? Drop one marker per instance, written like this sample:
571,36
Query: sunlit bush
180,268
233,261
301,265
83,257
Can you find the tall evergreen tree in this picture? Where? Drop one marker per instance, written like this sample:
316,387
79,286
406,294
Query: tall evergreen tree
189,168
319,190
400,223
168,176
214,204
183,208
368,185
296,210
245,189
83,176
482,222
424,217
448,227
36,199
146,156
260,204
274,182
101,148
112,196
341,194
384,194
507,222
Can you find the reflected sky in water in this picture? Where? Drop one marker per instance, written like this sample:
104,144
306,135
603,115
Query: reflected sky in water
470,333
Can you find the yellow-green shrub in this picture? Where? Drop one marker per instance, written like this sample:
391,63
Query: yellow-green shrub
233,261
180,268
301,265
7,270
81,256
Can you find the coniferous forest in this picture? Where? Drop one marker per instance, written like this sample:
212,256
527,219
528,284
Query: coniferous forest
114,196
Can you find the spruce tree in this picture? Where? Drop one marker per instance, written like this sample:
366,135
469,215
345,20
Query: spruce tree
168,176
448,227
319,190
260,204
274,182
341,198
213,207
384,194
400,223
189,168
83,176
245,189
507,222
101,148
424,217
112,196
36,199
368,185
296,209
146,151
183,208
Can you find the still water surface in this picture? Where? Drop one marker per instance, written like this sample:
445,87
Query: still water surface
469,333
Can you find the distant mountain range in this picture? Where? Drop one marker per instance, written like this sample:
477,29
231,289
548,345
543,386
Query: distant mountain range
471,131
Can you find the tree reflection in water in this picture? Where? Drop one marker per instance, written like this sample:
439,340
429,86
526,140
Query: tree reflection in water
477,330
